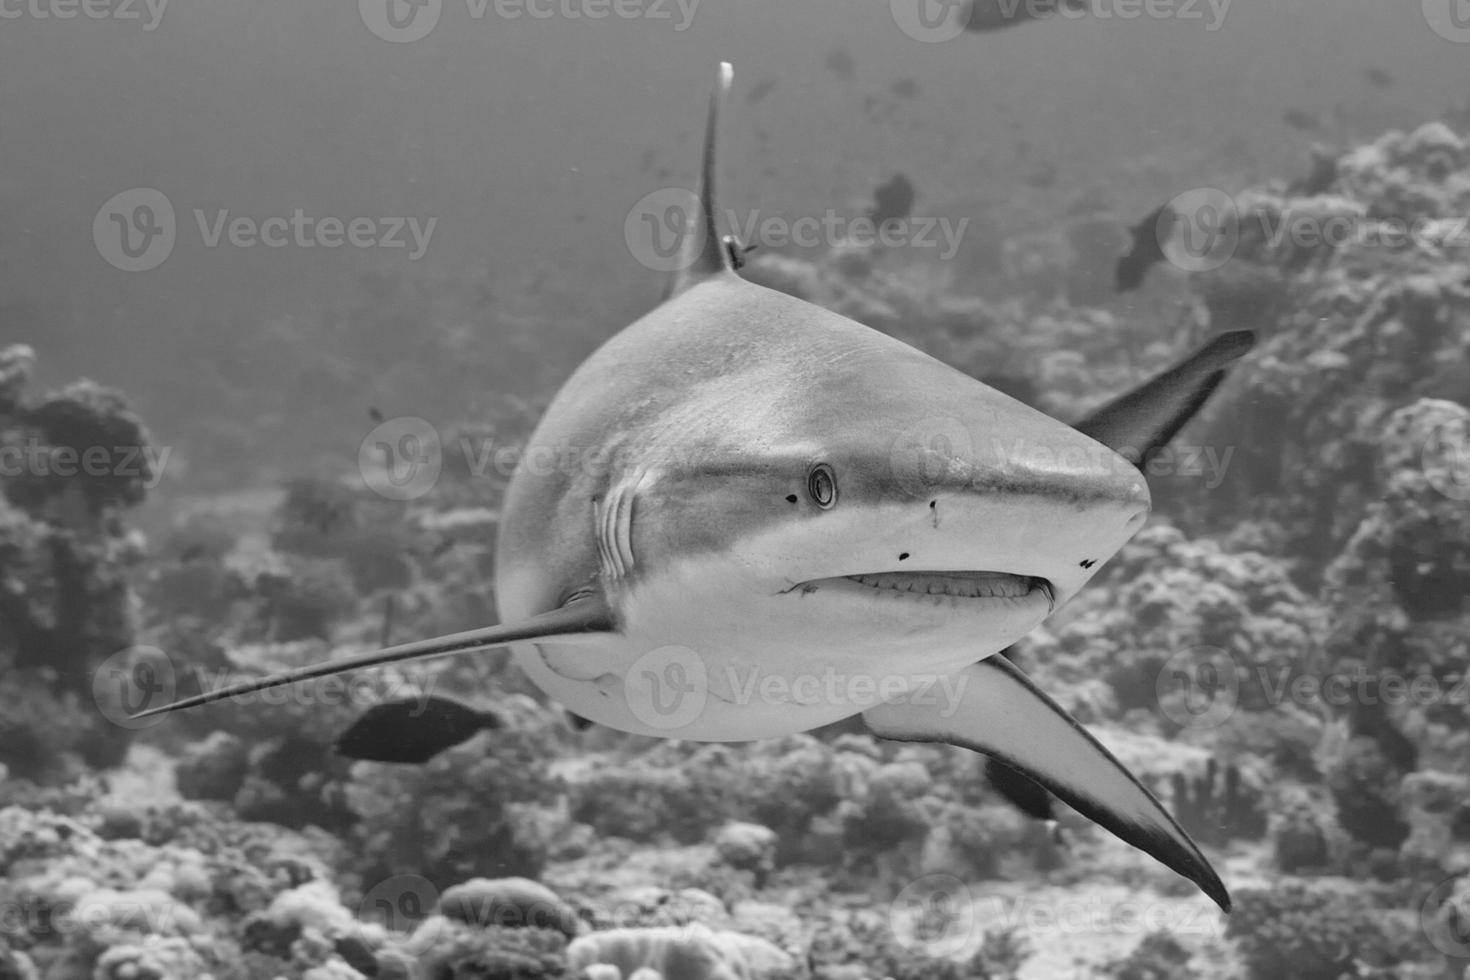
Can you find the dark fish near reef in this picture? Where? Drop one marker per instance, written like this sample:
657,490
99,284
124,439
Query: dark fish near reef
893,200
795,520
997,15
1147,249
760,90
1302,120
413,730
905,88
839,62
1378,77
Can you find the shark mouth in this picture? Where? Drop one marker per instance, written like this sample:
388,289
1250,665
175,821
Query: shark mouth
955,585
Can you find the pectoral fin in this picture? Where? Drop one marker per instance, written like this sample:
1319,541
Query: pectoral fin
1003,714
583,616
1140,422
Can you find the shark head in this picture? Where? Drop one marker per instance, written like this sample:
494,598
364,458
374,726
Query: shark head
849,490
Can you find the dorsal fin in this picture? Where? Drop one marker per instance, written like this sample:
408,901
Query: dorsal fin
704,253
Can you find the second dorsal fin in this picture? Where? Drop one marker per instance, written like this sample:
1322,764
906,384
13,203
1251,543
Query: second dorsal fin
704,253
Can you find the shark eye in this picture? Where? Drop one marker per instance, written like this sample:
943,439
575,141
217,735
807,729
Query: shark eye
821,486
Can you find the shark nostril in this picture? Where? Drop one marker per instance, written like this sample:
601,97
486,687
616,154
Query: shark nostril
1136,521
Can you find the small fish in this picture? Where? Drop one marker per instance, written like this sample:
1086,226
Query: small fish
997,15
1302,120
1147,249
760,90
893,200
839,62
1378,77
905,88
413,730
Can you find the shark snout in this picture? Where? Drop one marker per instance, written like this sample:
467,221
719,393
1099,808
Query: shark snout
1055,509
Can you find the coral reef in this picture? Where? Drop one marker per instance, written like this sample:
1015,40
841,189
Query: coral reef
1315,532
72,460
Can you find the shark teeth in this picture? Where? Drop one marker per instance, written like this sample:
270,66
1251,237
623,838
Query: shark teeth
968,585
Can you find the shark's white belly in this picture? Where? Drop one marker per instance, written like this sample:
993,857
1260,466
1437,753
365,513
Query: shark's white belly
703,661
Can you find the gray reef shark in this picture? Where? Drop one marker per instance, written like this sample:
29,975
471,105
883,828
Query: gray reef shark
795,519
